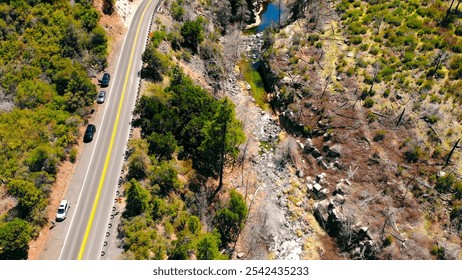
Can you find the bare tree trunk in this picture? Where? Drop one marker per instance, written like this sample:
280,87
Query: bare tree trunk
222,161
439,60
325,87
379,25
450,153
400,118
448,12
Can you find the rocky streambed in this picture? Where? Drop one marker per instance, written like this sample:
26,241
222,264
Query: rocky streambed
276,226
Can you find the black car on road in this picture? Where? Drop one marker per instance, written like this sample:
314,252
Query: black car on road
89,132
105,80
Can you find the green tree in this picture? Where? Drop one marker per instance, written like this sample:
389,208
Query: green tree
139,238
155,116
177,10
29,197
187,222
33,93
230,220
138,199
14,240
165,177
208,247
155,64
192,33
183,247
138,165
42,158
223,134
162,145
87,15
159,208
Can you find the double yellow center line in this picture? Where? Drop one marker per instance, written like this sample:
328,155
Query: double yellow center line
114,131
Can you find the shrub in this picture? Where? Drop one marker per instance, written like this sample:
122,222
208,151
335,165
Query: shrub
350,71
192,33
437,152
380,135
371,117
368,102
313,37
356,40
432,119
435,98
413,155
445,183
386,93
439,252
361,63
458,30
374,50
356,28
414,22
73,155
177,10
157,37
364,47
388,240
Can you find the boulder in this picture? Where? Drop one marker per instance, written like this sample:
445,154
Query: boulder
316,191
310,180
321,213
321,163
315,153
338,200
327,136
334,151
321,178
363,233
300,144
341,188
317,188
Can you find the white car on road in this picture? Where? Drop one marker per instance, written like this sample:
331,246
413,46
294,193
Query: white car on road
62,210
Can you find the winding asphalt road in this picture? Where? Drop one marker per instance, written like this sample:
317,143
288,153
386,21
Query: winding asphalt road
93,188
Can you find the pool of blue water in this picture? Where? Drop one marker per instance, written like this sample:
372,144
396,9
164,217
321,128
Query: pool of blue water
269,16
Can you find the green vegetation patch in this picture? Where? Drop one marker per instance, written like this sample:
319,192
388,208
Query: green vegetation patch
47,50
254,79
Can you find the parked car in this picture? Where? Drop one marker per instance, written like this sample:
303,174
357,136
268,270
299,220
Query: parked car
101,97
89,132
62,210
105,80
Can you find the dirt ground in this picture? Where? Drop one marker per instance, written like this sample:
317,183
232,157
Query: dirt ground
116,26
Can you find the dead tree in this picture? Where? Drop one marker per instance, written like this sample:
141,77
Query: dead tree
376,72
379,25
385,223
437,62
450,153
400,118
328,82
448,12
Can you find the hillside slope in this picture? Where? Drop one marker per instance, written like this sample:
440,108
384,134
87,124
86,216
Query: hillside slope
372,90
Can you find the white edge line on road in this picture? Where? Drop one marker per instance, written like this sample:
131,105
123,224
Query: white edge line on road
94,147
